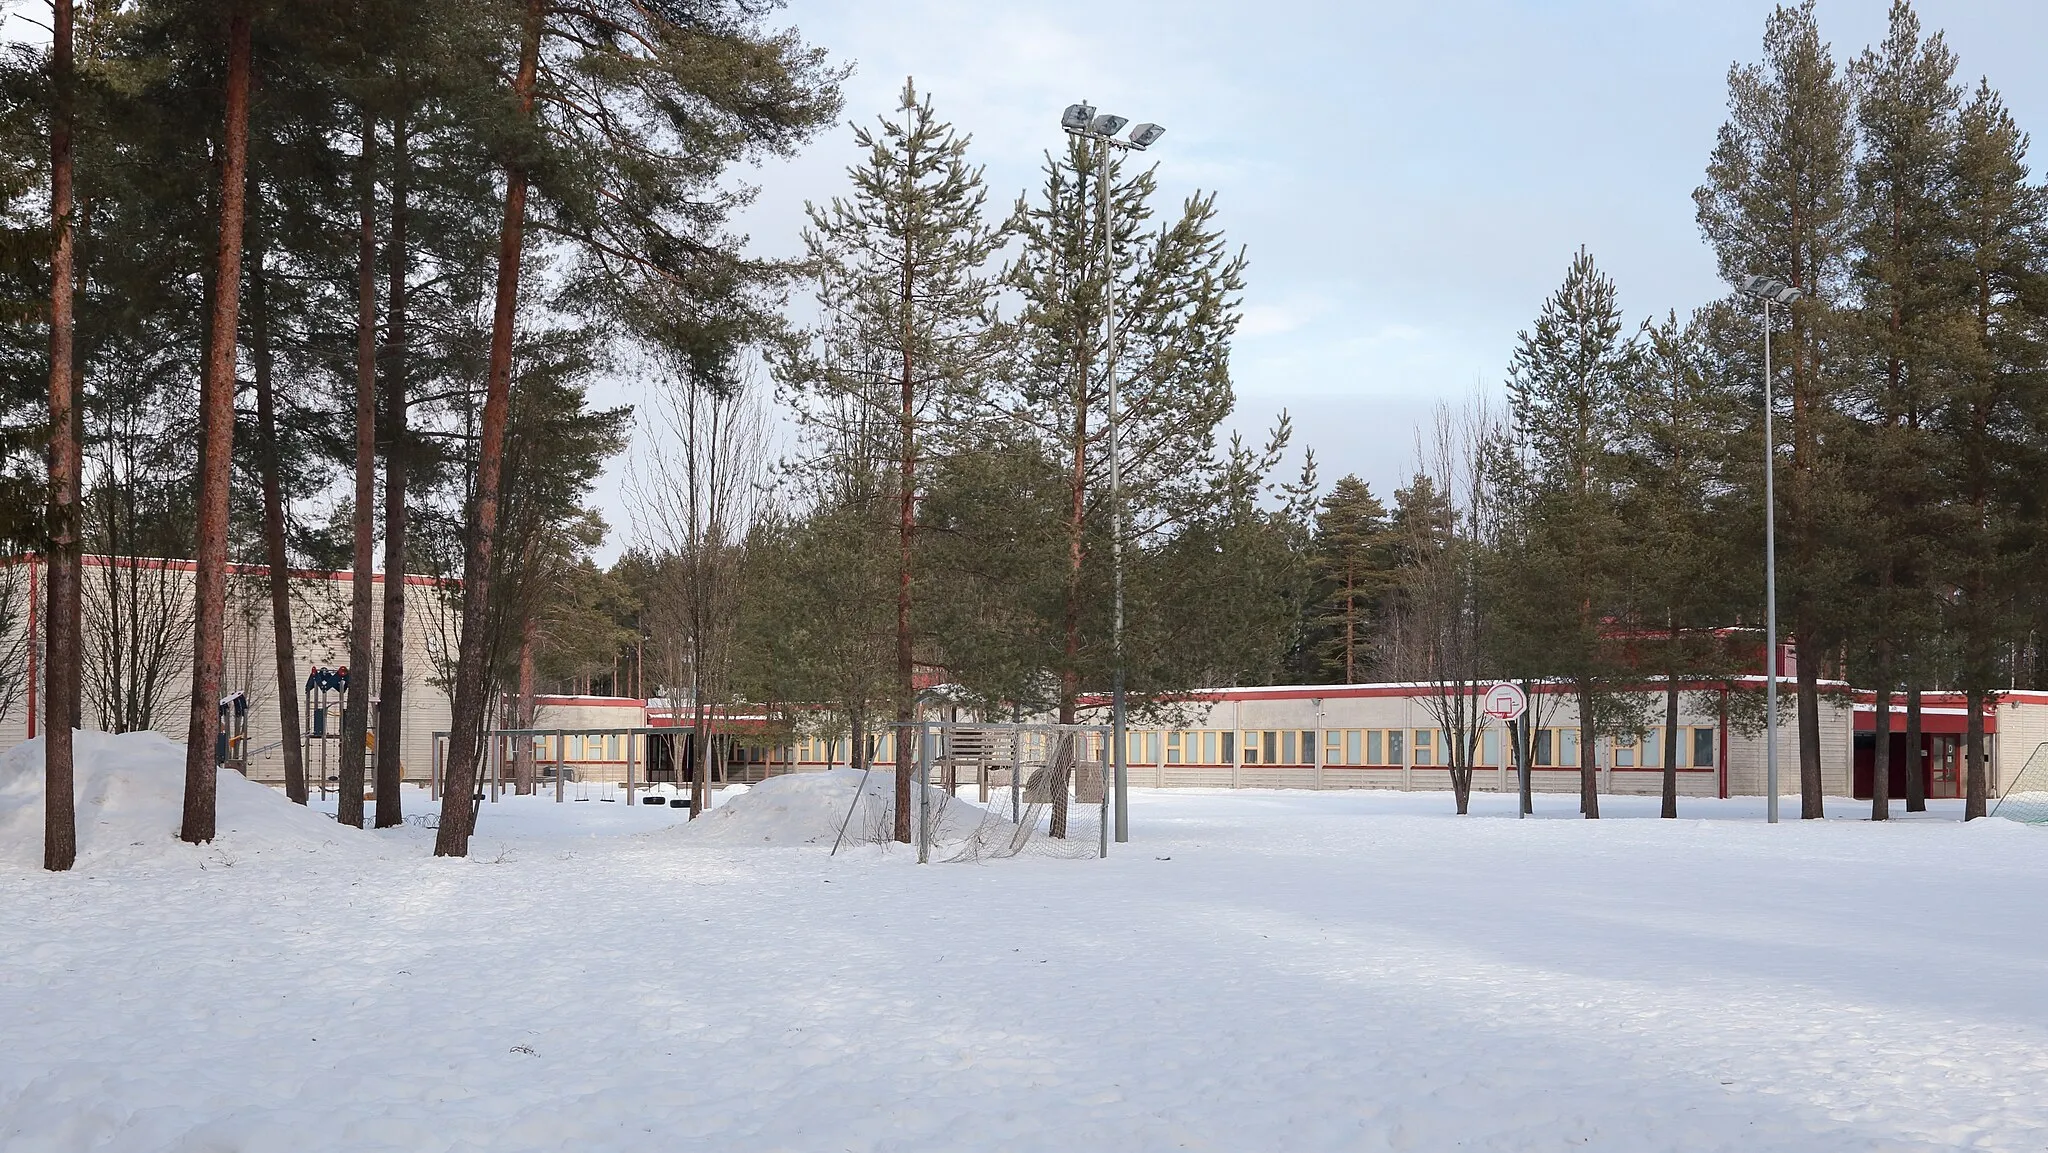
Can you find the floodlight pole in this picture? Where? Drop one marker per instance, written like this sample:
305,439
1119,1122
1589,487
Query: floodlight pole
1770,291
1087,126
1120,755
1770,587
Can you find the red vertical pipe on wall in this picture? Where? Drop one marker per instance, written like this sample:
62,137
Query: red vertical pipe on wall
1723,758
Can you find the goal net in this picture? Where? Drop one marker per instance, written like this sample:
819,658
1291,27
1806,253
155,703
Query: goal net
2026,799
995,790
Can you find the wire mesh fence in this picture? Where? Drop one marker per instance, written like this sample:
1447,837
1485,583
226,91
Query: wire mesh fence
1038,790
2026,799
980,791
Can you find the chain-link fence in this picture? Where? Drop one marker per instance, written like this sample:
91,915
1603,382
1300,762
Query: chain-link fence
1038,790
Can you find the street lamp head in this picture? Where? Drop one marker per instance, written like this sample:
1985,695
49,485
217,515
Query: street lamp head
1107,124
1772,289
1077,116
1144,134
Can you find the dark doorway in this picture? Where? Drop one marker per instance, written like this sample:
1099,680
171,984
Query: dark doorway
661,758
1938,763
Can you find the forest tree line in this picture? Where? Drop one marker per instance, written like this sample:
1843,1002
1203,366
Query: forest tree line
299,283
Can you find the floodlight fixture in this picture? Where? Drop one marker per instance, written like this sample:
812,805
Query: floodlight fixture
1144,134
1107,124
1771,289
1077,116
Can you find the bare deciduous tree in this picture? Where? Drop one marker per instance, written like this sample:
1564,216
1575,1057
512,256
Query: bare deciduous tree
1437,610
693,496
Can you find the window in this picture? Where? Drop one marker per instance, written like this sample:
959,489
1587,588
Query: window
1542,756
1653,749
1373,745
1489,747
1229,745
611,746
1344,747
1424,750
1703,748
1288,749
1624,754
1394,754
1272,749
1151,748
1173,754
1568,747
1251,748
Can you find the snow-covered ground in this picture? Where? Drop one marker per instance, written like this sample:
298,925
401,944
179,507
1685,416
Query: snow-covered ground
1255,971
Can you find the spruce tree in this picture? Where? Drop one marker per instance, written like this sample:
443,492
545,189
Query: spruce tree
1351,557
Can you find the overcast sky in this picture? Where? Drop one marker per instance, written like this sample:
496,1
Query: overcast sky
1409,179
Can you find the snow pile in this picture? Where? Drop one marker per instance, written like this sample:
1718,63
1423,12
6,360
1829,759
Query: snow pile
130,790
808,809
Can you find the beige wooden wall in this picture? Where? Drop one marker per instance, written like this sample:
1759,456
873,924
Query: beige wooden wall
320,615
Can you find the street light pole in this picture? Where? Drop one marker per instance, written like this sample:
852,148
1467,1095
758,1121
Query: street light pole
1081,120
1770,583
1121,757
1769,291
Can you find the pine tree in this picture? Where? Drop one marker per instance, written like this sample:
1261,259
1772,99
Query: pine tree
1904,275
1568,387
902,274
1676,451
622,140
61,644
1178,289
216,440
1984,419
1777,202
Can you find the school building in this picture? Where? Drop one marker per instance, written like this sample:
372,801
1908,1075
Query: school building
1374,736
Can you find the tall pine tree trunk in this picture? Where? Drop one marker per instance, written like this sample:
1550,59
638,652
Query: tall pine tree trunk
458,813
355,708
216,445
1589,768
391,676
1806,666
277,562
1669,808
1881,755
61,617
363,523
1975,785
1916,761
